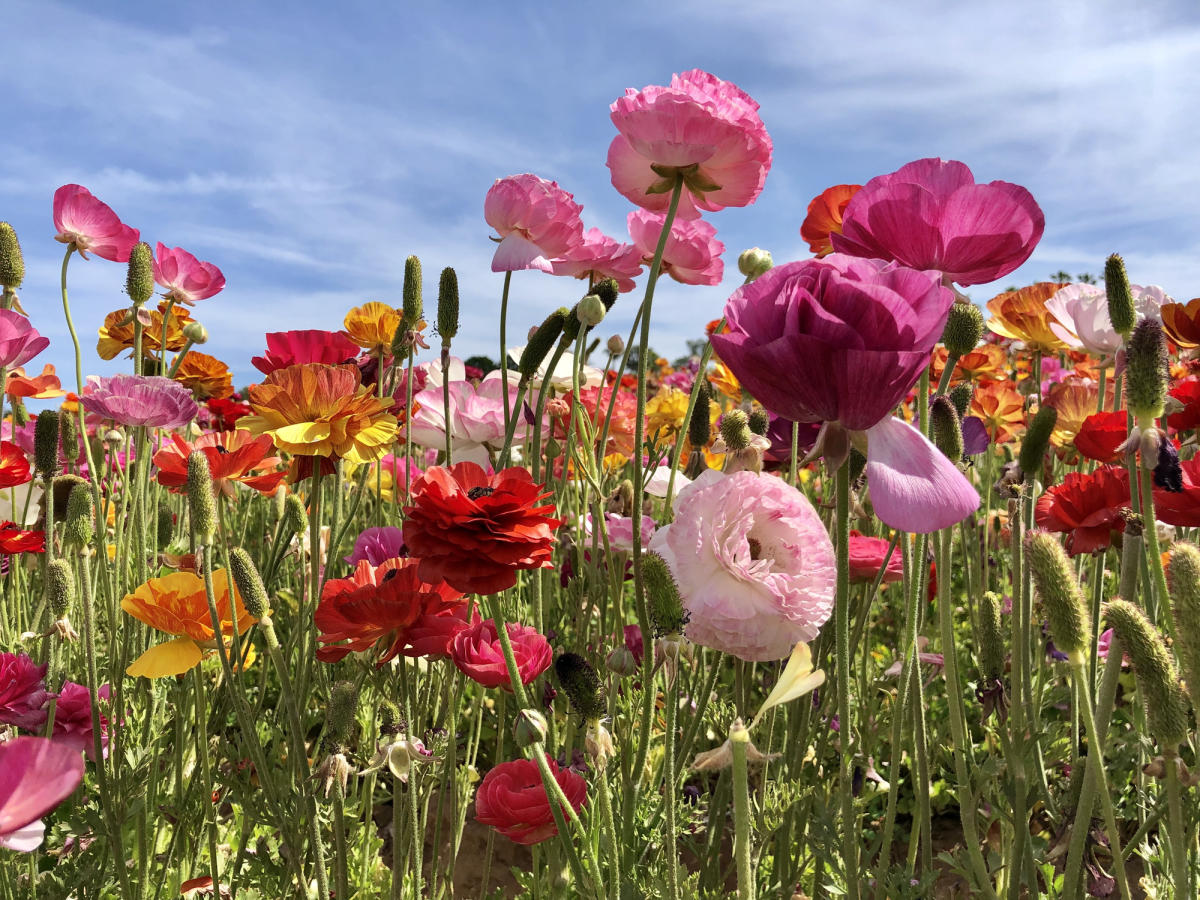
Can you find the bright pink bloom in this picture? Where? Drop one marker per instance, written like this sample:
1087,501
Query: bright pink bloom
292,348
692,254
699,126
185,278
477,654
23,694
598,257
36,775
536,220
867,557
377,546
90,225
930,214
19,341
512,799
73,719
150,400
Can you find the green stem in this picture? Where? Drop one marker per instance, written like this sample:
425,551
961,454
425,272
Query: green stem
669,785
508,411
739,739
849,821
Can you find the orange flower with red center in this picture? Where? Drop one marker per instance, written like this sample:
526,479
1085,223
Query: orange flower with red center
176,604
34,387
1181,322
117,332
317,410
372,325
1075,399
985,361
825,217
1001,408
1021,315
233,456
205,376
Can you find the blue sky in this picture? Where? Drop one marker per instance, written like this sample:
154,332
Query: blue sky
308,148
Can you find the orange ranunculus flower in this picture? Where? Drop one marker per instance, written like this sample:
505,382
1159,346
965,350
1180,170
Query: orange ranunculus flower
372,325
205,376
233,456
725,382
1001,408
1181,322
987,361
825,217
176,604
1075,399
317,410
1022,316
117,334
34,387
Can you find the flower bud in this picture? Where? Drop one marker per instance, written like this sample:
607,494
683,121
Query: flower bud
541,342
598,744
1121,311
294,516
339,714
60,587
754,262
164,527
700,425
447,313
1146,372
1062,598
735,430
201,506
19,412
960,395
79,529
12,263
947,431
1166,704
621,661
991,637
196,333
964,328
666,610
139,276
1037,440
759,422
615,345
250,585
608,291
390,720
529,728
414,306
68,434
620,501
45,443
1183,577
590,311
582,686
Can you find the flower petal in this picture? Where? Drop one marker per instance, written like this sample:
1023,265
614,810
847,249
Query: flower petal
172,658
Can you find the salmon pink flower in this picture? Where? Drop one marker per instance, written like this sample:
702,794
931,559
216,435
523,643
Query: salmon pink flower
291,348
692,254
536,220
930,214
1081,319
512,799
476,653
23,694
870,554
149,400
185,278
19,341
698,127
825,217
91,226
73,719
36,775
598,257
233,457
34,387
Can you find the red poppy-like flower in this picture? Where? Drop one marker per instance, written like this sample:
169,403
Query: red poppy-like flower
512,799
431,636
232,456
14,540
1101,436
825,217
1181,508
474,530
867,556
224,412
14,466
1088,507
1186,392
477,654
376,606
23,694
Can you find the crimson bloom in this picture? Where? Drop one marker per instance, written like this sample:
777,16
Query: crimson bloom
1181,508
1187,393
692,254
930,214
1088,507
233,456
536,220
14,466
512,799
291,348
185,278
14,540
73,719
23,694
475,530
91,225
36,775
477,653
224,412
431,636
1101,435
19,341
870,554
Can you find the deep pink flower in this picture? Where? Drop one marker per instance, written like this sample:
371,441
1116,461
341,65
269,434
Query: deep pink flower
23,694
512,799
36,775
477,654
292,348
692,254
431,636
73,719
536,220
598,257
90,225
377,545
185,278
930,214
150,400
19,341
867,557
699,126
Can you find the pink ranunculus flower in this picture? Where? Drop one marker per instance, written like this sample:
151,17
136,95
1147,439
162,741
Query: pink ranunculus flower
185,278
292,348
132,400
36,775
692,254
91,225
23,694
477,653
1081,311
598,257
377,546
620,531
754,564
930,214
476,418
19,340
73,719
536,220
698,126
840,341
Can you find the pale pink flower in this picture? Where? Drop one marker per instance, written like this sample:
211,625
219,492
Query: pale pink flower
598,257
1081,311
754,564
36,775
620,531
476,418
185,278
19,341
699,126
536,220
91,225
692,254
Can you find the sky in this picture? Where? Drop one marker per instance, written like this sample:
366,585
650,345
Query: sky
307,149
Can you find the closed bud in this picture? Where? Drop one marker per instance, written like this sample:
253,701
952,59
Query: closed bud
1146,372
621,661
80,528
139,276
195,332
201,506
964,328
414,306
700,424
1166,703
529,728
1062,599
164,527
12,263
390,720
339,714
68,434
991,637
249,583
759,421
1121,311
1183,577
608,291
45,443
541,342
667,614
582,686
60,587
294,516
960,395
735,430
447,313
615,345
947,430
590,311
754,262
1037,440
19,412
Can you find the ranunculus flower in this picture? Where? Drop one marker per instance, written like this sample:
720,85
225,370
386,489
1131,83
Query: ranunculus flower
117,332
1181,508
475,530
1101,435
868,555
14,540
19,341
1186,392
431,635
598,257
1001,409
133,400
291,348
73,719
90,225
185,278
753,562
477,654
205,376
34,387
377,545
476,418
1088,507
699,127
233,457
1181,322
536,219
36,775
930,214
1081,315
14,466
1075,399
223,413
1024,315
512,799
825,217
372,326
692,254
23,694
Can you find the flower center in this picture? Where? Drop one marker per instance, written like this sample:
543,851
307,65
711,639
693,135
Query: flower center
476,492
755,548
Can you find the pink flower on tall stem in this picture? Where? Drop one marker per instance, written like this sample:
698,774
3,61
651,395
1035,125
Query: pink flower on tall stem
23,694
536,220
930,214
36,775
477,653
692,254
133,400
19,340
699,127
91,225
476,418
185,278
73,719
598,257
292,348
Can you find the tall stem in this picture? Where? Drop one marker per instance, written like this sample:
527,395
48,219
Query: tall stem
739,739
508,411
849,828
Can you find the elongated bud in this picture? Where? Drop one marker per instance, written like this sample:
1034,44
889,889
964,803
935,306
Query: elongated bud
530,728
615,345
667,614
991,637
1061,596
947,431
1037,440
196,333
960,395
541,342
1121,311
12,263
294,516
700,424
1146,371
760,421
608,292
590,311
201,506
139,277
964,328
249,583
60,587
68,434
447,318
339,714
45,443
20,413
735,430
1183,576
755,262
79,528
582,686
164,527
414,306
1166,704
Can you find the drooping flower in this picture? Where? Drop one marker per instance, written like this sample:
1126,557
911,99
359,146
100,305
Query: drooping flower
1023,315
34,387
36,775
73,719
536,219
476,418
476,653
1181,322
292,348
1101,435
599,256
825,217
1001,409
377,546
149,400
14,466
1081,319
870,554
205,376
117,332
372,326
14,540
930,214
698,127
512,799
185,278
692,254
476,530
23,694
1088,507
91,225
19,341
233,457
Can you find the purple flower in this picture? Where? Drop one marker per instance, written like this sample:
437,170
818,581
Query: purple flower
23,693
19,341
132,400
377,545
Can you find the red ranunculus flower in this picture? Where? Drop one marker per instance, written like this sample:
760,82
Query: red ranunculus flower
14,466
232,456
512,799
1101,435
223,412
1088,507
474,530
14,540
477,654
1186,392
1183,508
377,605
867,558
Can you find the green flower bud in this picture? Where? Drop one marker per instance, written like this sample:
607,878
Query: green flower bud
991,637
755,262
947,430
80,527
964,328
12,263
582,686
249,583
735,430
667,614
60,587
529,728
700,424
960,395
1062,598
201,506
1146,372
541,342
447,316
615,345
139,277
20,413
295,517
339,714
760,421
68,434
1183,576
1166,703
45,443
390,720
414,306
1121,310
621,661
164,527
608,291
195,332
61,487
1037,440
590,311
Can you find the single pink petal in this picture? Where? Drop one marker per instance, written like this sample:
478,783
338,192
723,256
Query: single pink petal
515,253
25,840
36,775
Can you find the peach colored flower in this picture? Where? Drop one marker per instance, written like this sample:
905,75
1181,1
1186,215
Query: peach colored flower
1001,408
1022,315
34,387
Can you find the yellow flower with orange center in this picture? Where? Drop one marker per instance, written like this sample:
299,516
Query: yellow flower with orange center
1075,399
117,332
372,325
1001,408
34,387
205,376
318,410
665,412
1022,316
177,604
985,361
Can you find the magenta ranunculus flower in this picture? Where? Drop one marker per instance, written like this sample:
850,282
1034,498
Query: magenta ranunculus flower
19,340
598,257
23,694
73,719
755,566
840,341
930,214
698,126
692,254
378,545
149,400
536,220
185,278
36,775
91,225
477,653
293,348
